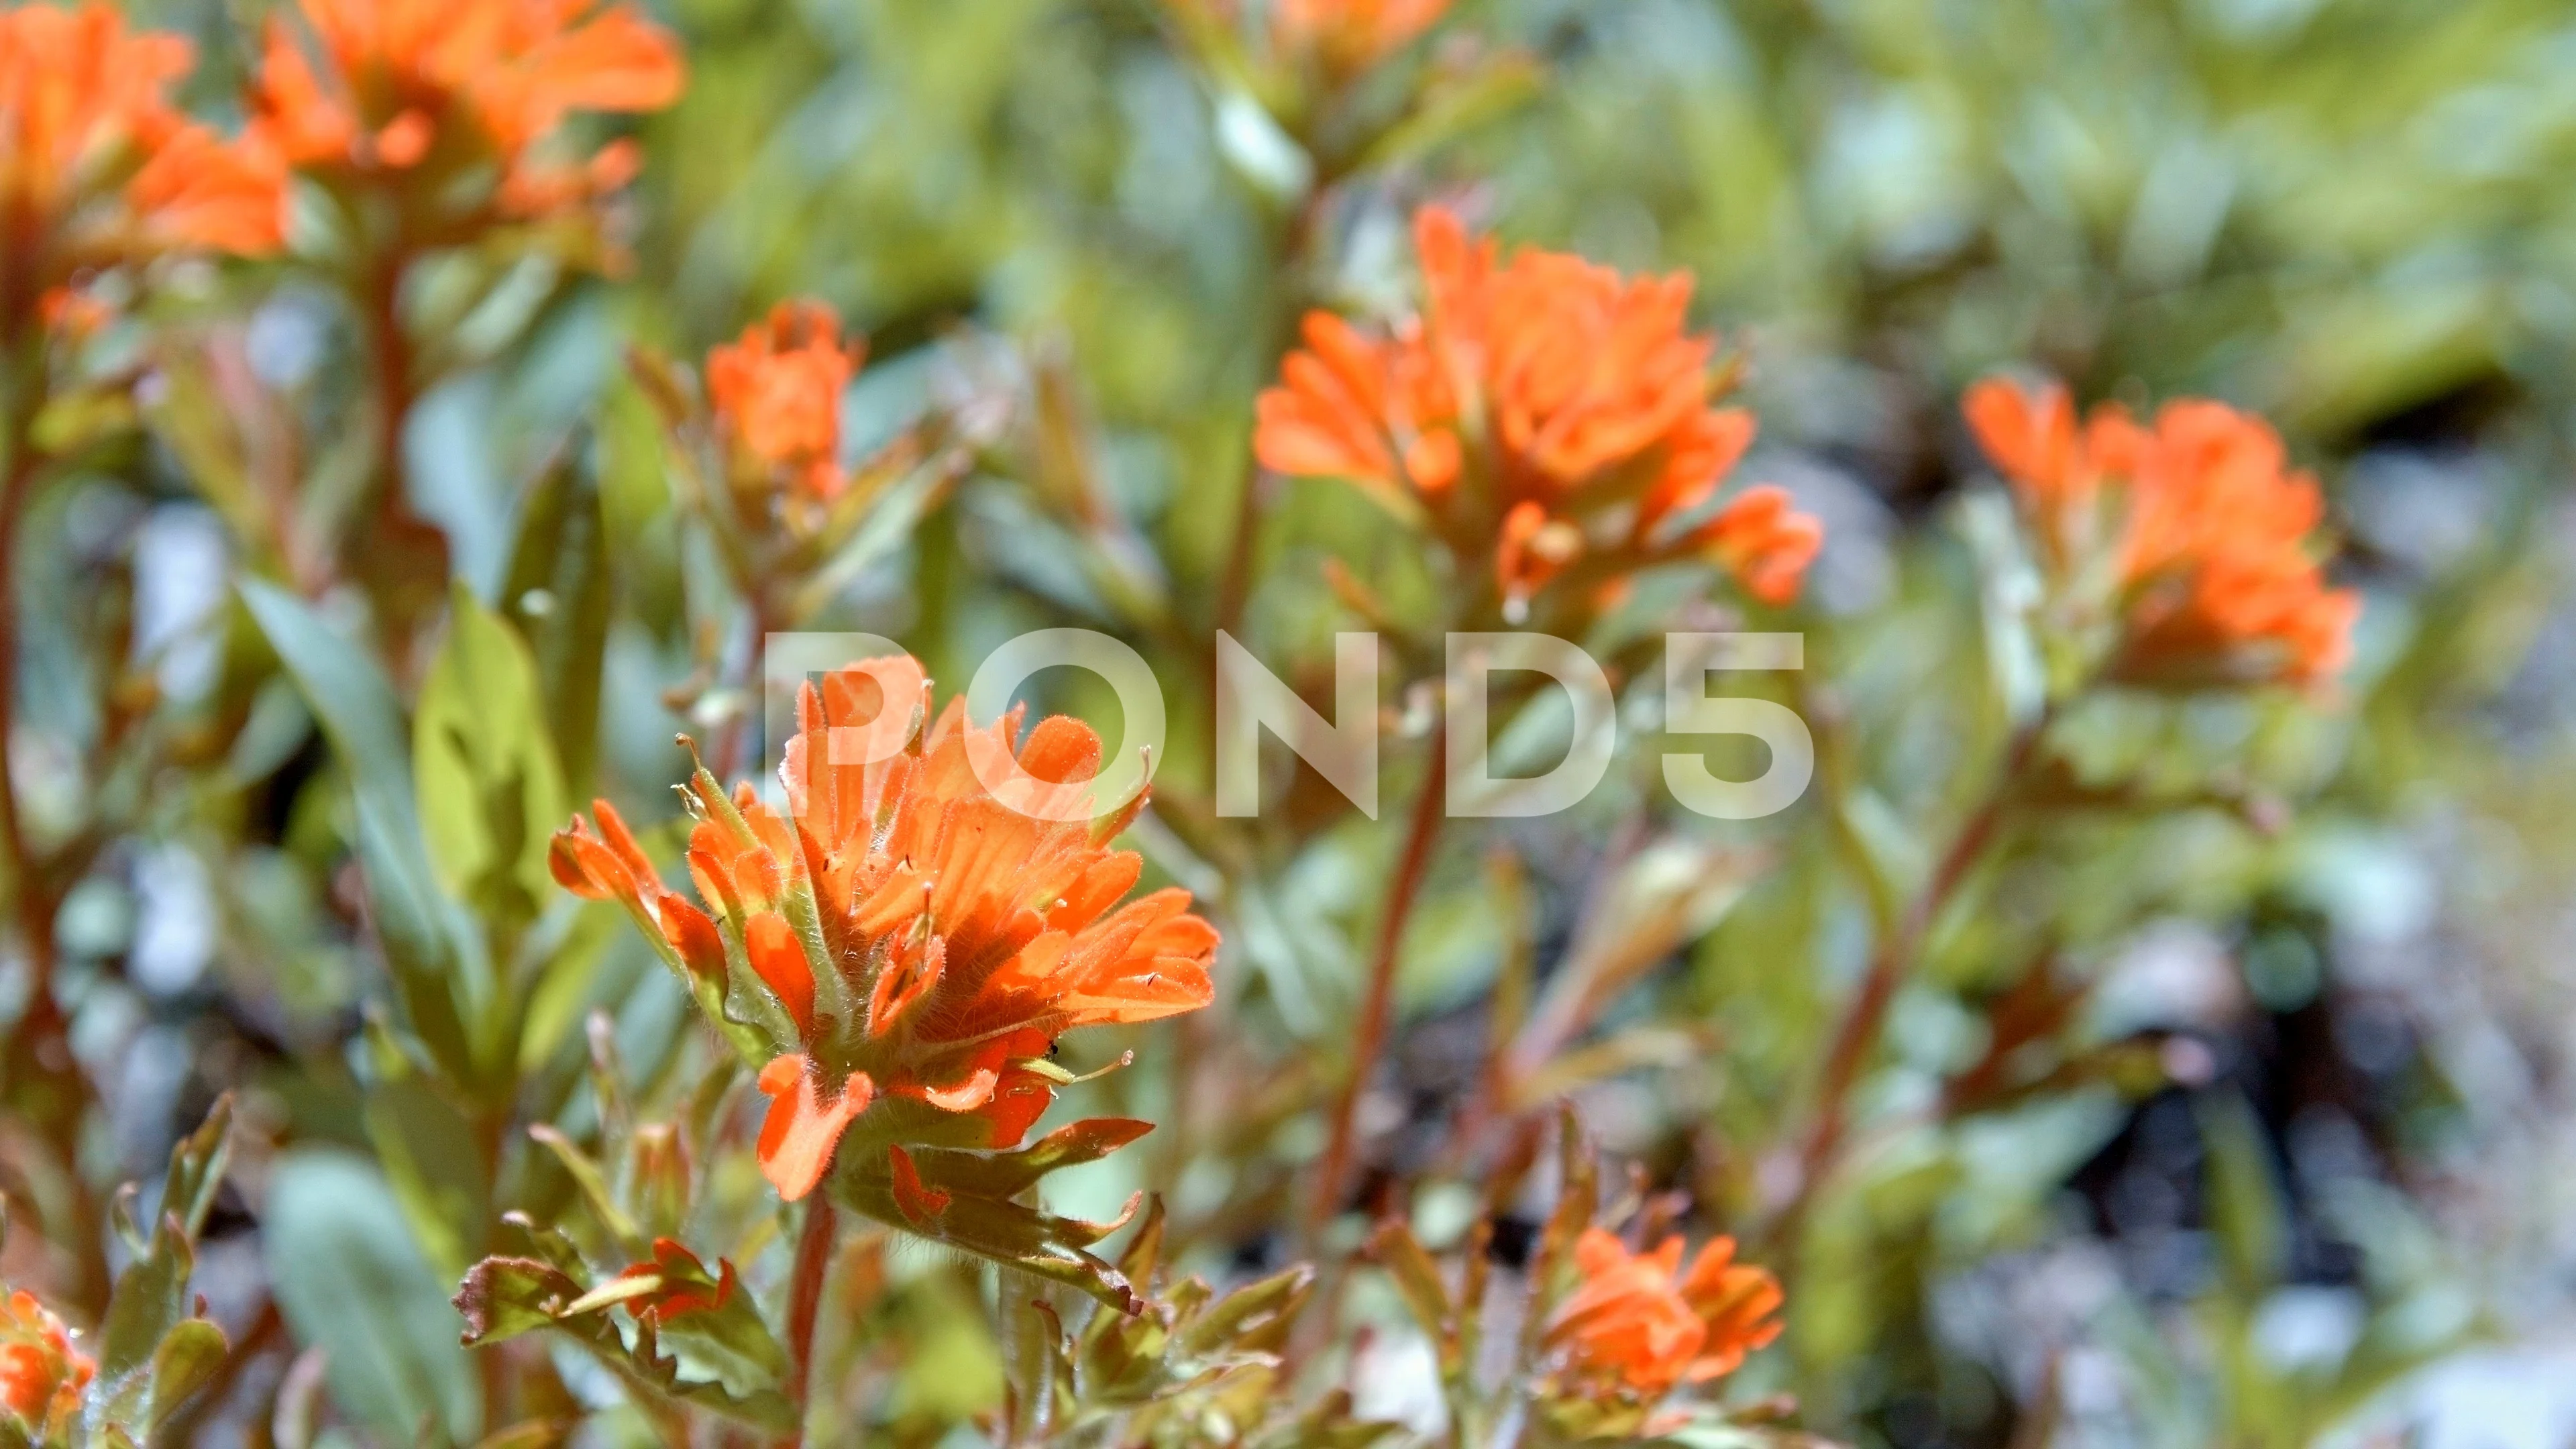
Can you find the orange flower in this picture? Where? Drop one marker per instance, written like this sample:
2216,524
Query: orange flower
2210,534
404,85
97,167
1634,1327
1349,36
915,946
1545,408
777,395
41,1374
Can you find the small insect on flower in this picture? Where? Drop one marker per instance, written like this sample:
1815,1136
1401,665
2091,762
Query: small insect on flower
41,1373
777,397
2203,537
98,169
909,945
1637,1326
436,93
1542,413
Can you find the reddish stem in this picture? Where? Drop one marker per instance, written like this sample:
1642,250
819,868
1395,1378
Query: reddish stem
1377,1009
1889,965
805,1301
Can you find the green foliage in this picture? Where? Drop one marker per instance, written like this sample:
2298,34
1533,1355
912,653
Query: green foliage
349,1276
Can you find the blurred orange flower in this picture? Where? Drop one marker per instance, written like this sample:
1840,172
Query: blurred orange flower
777,395
41,1373
1349,36
914,944
2209,531
97,167
406,84
1638,1325
1545,408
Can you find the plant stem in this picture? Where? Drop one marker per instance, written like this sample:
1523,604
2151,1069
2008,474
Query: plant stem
1377,1008
805,1300
745,680
1889,965
390,361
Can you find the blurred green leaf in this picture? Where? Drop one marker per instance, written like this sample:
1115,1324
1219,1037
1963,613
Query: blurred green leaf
491,793
2247,1214
434,1164
355,704
350,1280
557,594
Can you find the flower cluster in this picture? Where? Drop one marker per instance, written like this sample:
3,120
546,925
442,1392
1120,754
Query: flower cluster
1349,36
903,949
2195,525
41,1373
426,92
97,168
777,399
1543,410
1640,1326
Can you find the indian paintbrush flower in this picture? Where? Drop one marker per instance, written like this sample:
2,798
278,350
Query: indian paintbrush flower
99,169
898,954
41,1373
1542,412
2202,538
426,95
777,399
1638,1326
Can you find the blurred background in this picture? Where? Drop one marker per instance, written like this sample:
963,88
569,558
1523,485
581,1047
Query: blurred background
2324,1189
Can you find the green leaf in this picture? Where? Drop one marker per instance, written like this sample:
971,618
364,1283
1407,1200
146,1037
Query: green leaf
733,1343
2247,1213
435,1166
147,1311
1254,1318
1453,110
557,595
1417,1278
565,983
187,1360
348,1278
988,1224
634,486
490,791
1007,1174
151,1298
355,705
502,1298
594,1188
197,1163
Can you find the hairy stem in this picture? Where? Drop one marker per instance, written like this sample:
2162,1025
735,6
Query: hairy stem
805,1300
